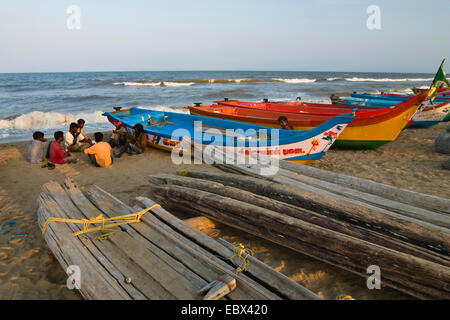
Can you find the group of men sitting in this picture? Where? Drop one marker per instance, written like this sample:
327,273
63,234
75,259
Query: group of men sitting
76,140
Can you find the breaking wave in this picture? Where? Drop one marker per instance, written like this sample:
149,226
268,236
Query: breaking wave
141,84
48,120
225,80
295,80
167,109
177,84
356,79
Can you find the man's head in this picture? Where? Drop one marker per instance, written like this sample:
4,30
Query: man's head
283,121
98,137
59,136
138,128
38,135
81,123
73,127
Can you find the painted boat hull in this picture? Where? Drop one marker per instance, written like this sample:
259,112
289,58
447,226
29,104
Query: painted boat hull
296,146
369,130
393,97
428,116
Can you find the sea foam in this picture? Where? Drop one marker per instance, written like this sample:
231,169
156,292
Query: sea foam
356,79
139,84
47,120
177,84
295,80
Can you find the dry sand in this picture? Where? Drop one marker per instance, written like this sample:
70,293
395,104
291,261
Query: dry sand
29,271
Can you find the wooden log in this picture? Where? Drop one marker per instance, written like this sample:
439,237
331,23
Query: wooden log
412,275
436,218
418,232
112,206
96,282
257,269
303,214
96,248
144,267
256,163
159,248
412,198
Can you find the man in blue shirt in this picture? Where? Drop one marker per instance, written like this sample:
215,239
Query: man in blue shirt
37,149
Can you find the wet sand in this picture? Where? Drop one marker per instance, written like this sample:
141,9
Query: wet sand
29,271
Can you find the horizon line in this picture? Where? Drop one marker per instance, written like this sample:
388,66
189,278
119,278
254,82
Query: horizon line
212,70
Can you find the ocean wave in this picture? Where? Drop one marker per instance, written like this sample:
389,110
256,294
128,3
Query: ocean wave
48,120
177,84
356,79
336,79
91,97
143,84
167,109
9,85
232,94
226,80
295,80
402,90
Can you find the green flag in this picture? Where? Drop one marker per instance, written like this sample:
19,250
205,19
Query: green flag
438,78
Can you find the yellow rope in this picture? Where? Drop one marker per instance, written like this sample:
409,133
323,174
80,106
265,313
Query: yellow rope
116,221
243,253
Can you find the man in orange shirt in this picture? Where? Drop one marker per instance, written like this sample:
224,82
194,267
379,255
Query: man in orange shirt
100,153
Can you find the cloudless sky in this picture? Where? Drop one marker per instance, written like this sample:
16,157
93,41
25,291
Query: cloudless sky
297,35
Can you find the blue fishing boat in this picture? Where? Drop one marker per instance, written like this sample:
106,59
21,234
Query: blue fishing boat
391,97
166,130
364,102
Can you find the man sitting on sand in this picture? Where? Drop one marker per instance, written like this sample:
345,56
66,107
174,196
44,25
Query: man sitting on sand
136,144
81,130
57,155
119,136
284,123
100,153
37,149
75,141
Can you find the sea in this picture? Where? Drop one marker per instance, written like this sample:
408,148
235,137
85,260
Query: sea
51,101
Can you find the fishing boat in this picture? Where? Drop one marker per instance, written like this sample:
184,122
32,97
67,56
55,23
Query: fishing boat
370,129
428,115
394,97
364,102
166,130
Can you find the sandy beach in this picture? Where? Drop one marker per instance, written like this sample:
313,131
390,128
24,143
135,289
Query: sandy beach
29,271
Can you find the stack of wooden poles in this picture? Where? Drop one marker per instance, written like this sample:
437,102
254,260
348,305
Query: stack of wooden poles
345,221
161,257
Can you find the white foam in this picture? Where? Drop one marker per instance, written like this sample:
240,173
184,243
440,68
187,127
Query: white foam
356,79
138,84
225,80
178,84
166,109
48,120
303,80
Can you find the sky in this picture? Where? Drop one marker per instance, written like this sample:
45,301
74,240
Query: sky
285,35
